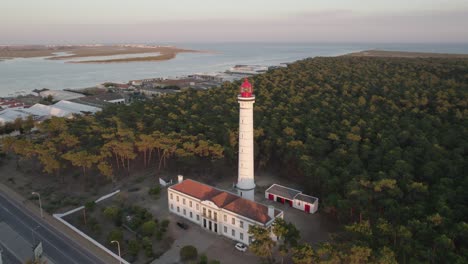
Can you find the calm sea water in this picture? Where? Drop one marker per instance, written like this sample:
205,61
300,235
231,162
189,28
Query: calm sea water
27,74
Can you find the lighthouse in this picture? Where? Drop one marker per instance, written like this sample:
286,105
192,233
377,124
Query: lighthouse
245,182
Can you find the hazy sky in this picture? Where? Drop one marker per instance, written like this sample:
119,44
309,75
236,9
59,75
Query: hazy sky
106,21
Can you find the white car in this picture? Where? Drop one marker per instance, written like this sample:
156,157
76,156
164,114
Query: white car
241,247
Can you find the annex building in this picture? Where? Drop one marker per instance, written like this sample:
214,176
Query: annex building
292,197
219,211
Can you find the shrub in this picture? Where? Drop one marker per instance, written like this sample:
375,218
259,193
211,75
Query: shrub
188,253
203,259
148,228
96,228
112,213
163,226
165,223
214,261
139,216
154,191
159,235
133,247
90,206
146,242
148,247
149,252
115,234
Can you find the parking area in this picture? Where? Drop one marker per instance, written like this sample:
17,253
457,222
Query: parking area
213,245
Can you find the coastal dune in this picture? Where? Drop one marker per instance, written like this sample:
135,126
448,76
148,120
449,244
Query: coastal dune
404,54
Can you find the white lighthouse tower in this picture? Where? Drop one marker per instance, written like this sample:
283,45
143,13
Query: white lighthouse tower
245,182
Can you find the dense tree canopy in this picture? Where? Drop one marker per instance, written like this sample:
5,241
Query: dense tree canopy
382,141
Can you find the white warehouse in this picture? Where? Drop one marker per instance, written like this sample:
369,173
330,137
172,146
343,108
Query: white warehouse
219,211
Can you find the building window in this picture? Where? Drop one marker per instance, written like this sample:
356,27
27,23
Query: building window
233,221
241,235
177,198
225,218
225,229
204,211
241,223
198,218
197,206
209,213
233,232
172,207
178,209
184,211
183,201
171,196
215,215
191,216
190,203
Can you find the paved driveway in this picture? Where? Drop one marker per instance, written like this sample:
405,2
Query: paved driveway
213,245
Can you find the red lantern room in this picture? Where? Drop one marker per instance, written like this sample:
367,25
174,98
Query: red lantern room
246,89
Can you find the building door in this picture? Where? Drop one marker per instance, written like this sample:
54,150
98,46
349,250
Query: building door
279,199
271,197
289,202
307,208
204,223
216,228
209,224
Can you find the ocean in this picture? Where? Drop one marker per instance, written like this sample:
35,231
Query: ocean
26,74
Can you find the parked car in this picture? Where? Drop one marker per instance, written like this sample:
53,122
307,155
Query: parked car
182,225
241,247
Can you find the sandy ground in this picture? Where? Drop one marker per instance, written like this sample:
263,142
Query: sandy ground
404,54
167,52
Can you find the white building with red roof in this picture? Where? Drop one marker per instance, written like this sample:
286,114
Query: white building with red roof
219,211
292,197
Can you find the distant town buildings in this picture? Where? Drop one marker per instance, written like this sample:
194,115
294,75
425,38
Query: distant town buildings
57,95
41,112
71,102
11,103
101,100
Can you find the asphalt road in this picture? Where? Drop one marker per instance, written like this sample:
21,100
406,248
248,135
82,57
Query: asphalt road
56,246
8,257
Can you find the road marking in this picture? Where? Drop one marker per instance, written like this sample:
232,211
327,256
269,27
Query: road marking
46,227
39,235
11,251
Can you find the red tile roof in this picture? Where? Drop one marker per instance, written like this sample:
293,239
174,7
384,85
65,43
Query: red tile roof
250,209
196,189
225,200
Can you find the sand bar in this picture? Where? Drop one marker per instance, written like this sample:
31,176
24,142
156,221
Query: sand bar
77,51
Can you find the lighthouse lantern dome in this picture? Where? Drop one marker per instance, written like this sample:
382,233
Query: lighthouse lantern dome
246,89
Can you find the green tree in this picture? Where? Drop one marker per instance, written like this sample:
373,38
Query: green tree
115,234
262,244
112,213
188,253
303,254
148,228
